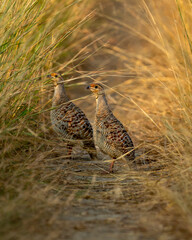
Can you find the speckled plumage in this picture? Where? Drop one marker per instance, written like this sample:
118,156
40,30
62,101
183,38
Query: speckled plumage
69,121
109,133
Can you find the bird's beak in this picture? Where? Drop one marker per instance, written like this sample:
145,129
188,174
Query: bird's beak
49,75
88,87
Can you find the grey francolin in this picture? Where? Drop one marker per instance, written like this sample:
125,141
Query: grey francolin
69,121
108,132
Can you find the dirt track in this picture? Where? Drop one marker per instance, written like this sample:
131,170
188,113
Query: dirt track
99,205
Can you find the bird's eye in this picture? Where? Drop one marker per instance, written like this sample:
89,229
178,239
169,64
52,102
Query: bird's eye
56,75
96,86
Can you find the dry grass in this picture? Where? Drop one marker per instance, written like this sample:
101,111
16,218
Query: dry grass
141,51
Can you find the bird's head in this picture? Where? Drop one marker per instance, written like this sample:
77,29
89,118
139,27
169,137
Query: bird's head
96,88
56,77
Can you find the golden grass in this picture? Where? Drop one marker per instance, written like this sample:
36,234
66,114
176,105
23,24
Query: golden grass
165,95
142,53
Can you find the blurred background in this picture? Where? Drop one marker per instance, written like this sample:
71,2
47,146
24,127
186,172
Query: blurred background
141,52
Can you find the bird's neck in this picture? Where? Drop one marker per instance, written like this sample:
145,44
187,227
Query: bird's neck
59,96
102,107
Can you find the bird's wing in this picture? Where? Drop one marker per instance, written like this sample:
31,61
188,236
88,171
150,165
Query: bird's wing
117,136
77,123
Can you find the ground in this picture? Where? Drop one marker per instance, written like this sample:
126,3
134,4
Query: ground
99,205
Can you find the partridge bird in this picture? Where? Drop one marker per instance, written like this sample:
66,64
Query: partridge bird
68,120
109,134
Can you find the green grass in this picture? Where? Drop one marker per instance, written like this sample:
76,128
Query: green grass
35,34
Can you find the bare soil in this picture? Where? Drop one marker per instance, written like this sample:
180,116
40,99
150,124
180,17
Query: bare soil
100,205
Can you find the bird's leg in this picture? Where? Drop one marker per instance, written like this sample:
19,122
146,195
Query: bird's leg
90,148
111,166
93,155
69,150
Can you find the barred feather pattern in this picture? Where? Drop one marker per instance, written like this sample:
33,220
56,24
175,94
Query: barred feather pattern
70,122
109,133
